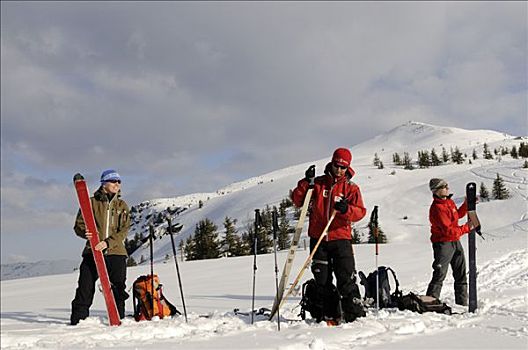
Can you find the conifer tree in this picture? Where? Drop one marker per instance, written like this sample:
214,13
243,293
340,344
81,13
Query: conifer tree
376,160
484,193
407,161
525,165
514,153
190,249
445,155
283,236
523,150
206,240
486,154
435,160
381,166
231,244
499,189
456,156
474,155
356,236
396,159
423,159
381,236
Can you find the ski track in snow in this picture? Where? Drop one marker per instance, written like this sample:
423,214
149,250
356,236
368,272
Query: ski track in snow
511,174
501,282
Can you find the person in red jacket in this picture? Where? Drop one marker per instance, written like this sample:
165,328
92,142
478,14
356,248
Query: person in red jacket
445,237
334,191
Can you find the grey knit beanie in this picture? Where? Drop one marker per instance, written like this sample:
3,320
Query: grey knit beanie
435,184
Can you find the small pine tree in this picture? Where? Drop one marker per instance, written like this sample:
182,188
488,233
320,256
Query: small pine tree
231,242
513,153
486,154
499,189
525,165
484,194
396,159
445,155
206,240
381,166
456,156
423,159
474,155
200,204
407,161
283,236
381,236
435,160
181,246
356,236
523,150
376,160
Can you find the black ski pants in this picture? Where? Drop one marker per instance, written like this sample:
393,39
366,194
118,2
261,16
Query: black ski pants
445,254
336,257
116,266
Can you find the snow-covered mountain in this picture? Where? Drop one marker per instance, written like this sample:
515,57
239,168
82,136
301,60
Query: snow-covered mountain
239,200
39,268
35,311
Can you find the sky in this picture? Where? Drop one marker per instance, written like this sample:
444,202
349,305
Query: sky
184,97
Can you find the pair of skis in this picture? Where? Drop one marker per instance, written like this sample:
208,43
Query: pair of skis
291,253
281,297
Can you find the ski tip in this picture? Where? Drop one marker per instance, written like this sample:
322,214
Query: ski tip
78,177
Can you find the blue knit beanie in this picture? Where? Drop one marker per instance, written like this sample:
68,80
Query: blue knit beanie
109,175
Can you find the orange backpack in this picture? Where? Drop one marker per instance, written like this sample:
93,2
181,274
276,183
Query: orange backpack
149,300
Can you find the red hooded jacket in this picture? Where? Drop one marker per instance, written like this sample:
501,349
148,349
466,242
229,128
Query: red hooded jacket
444,215
328,190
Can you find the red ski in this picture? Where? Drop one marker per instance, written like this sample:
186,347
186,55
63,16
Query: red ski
86,209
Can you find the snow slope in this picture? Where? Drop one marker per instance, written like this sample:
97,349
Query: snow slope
35,311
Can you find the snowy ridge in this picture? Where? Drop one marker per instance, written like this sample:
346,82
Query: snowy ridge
239,199
414,136
39,268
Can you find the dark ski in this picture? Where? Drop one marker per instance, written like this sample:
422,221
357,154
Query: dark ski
471,197
86,209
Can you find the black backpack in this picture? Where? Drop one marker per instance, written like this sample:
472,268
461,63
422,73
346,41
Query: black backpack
312,303
423,303
386,298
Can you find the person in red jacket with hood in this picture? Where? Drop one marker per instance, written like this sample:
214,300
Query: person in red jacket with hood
334,191
445,237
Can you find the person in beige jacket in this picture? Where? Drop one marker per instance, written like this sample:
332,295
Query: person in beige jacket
112,218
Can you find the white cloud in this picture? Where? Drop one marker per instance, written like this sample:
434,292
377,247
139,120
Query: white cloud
185,97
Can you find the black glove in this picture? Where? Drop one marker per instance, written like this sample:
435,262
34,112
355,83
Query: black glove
310,173
341,206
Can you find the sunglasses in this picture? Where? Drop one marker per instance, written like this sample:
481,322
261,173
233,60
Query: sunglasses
340,166
114,181
442,187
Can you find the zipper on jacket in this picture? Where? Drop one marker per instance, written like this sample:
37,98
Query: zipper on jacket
328,206
108,216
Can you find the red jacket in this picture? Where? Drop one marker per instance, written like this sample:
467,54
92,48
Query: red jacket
444,215
327,190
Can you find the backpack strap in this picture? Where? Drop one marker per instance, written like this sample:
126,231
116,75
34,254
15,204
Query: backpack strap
397,292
